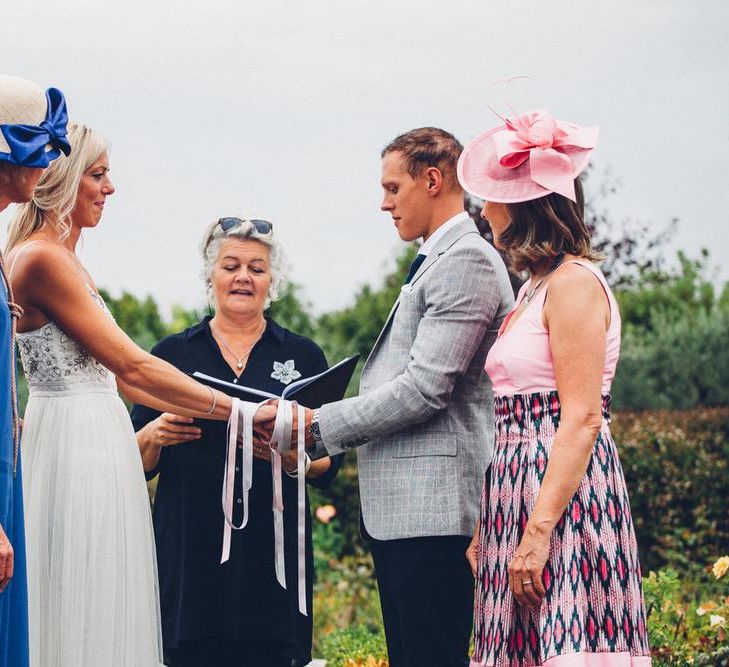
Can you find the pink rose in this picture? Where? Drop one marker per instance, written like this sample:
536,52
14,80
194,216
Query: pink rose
325,513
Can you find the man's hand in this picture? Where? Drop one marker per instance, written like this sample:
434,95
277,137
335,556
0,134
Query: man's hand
7,560
266,416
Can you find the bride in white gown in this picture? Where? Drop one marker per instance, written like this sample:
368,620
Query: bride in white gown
91,561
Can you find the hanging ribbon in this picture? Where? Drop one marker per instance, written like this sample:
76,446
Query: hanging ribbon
281,439
301,483
246,479
240,427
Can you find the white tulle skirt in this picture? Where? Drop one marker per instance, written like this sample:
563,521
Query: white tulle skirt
92,571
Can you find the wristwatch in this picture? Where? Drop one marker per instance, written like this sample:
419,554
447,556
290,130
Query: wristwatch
314,427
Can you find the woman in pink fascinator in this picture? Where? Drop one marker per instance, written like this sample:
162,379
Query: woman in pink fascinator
558,579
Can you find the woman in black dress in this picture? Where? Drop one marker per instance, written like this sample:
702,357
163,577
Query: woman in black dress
235,613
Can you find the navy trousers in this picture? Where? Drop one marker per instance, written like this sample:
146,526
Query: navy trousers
426,592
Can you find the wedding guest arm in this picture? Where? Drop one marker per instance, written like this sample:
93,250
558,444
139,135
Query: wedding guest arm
577,315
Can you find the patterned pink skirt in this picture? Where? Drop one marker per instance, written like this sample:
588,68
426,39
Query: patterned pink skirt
593,613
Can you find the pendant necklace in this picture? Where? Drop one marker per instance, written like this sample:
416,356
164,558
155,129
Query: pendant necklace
239,360
531,291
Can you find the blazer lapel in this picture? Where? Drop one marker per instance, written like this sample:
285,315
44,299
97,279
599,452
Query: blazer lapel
385,327
449,238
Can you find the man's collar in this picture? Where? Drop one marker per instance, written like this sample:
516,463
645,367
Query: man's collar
272,328
441,231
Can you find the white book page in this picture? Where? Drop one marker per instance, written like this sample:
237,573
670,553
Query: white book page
232,385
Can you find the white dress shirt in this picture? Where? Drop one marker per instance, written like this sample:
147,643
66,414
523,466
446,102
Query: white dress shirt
436,235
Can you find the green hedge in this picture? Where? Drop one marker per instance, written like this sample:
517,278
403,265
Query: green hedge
682,361
676,464
357,645
675,339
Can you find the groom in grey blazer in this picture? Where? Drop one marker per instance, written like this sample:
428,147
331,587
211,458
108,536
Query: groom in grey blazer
423,422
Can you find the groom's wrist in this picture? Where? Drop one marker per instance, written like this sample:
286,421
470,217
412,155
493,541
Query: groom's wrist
314,445
313,433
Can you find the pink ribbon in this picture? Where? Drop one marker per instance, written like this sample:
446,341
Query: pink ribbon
539,138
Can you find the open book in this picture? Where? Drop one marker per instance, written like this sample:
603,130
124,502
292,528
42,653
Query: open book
311,392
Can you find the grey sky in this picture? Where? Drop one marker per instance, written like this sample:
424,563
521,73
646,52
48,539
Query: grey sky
280,109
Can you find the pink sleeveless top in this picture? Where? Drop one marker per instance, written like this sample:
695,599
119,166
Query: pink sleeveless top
520,360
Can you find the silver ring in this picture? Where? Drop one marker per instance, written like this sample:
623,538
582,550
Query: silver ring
527,582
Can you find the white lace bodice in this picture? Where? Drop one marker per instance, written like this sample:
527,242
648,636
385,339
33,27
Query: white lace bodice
53,361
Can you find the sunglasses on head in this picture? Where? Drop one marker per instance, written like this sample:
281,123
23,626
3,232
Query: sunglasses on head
261,226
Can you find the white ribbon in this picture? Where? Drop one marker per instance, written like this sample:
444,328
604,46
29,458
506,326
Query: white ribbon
280,444
301,482
281,439
246,479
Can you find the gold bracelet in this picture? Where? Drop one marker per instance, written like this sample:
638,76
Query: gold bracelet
215,402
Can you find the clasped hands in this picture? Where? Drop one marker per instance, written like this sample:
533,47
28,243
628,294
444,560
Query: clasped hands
170,429
263,423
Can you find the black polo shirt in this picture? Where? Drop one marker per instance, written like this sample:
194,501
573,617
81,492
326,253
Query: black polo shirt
241,599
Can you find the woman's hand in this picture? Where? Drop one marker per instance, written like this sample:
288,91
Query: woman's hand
473,548
525,569
264,420
261,449
169,429
7,560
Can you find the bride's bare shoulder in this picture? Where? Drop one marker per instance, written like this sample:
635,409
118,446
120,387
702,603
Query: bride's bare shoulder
38,260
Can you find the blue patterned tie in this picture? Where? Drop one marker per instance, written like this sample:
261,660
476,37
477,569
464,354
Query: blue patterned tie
419,259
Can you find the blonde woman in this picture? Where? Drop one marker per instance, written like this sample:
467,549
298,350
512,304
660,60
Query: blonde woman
91,564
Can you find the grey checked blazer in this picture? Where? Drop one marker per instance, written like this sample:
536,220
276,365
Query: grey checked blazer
424,421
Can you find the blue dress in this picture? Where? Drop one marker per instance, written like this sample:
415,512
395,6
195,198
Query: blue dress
14,599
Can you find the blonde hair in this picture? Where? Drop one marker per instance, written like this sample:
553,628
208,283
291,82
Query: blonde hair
55,195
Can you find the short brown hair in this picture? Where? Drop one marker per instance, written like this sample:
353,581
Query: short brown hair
427,147
542,229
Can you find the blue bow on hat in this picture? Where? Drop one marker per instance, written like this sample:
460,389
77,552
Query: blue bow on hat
28,142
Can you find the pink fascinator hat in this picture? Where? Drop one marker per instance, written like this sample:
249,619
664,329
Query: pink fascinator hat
528,157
